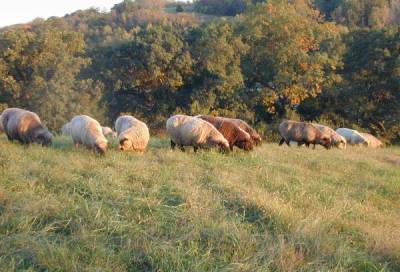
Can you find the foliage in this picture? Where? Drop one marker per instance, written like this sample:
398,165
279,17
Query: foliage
301,59
40,71
370,93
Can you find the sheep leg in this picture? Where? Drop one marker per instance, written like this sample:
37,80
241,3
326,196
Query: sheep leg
182,148
313,146
195,148
281,141
76,144
288,142
173,145
299,144
308,145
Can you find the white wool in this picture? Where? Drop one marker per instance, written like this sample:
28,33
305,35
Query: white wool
192,131
353,137
133,130
87,131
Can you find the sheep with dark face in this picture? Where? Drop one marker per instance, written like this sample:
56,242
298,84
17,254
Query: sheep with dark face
191,131
246,127
25,127
303,133
133,134
234,134
87,131
337,140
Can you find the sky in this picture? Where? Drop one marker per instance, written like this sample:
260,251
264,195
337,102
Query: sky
23,11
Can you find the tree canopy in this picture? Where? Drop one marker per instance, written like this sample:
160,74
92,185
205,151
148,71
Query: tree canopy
329,61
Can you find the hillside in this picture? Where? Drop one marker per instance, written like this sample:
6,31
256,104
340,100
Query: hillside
277,208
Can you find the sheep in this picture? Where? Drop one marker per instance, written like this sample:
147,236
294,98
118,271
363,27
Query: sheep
353,137
66,129
186,130
133,134
107,131
337,140
87,131
246,127
25,127
303,133
234,134
372,140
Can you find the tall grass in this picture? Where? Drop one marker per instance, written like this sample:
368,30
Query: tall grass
275,209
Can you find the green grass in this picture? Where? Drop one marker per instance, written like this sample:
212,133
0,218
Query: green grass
275,209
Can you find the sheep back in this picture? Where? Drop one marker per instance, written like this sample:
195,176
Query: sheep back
191,131
87,131
353,137
337,140
133,134
231,132
246,127
301,132
25,127
372,140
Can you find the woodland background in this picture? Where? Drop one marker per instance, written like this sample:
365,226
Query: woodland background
335,62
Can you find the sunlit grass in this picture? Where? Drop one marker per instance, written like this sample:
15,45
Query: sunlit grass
275,209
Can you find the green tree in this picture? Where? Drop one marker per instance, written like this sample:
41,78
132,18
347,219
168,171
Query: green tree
40,72
290,55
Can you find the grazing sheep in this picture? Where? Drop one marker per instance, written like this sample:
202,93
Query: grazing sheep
246,127
66,129
337,140
133,134
372,140
353,137
303,133
191,131
234,134
87,131
25,127
107,131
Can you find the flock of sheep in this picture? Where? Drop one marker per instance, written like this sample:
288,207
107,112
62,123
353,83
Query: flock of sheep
201,131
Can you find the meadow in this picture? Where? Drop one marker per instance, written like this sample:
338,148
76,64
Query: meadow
273,209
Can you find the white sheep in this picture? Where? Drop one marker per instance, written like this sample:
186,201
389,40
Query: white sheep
66,129
107,131
133,134
87,131
353,137
192,131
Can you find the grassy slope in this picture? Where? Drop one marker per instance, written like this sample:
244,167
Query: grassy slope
273,209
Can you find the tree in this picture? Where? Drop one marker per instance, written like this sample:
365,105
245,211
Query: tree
290,55
143,75
40,72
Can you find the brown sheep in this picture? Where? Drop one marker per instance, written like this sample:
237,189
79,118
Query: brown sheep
303,133
246,127
25,127
234,134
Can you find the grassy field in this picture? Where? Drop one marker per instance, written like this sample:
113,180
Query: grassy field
275,209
